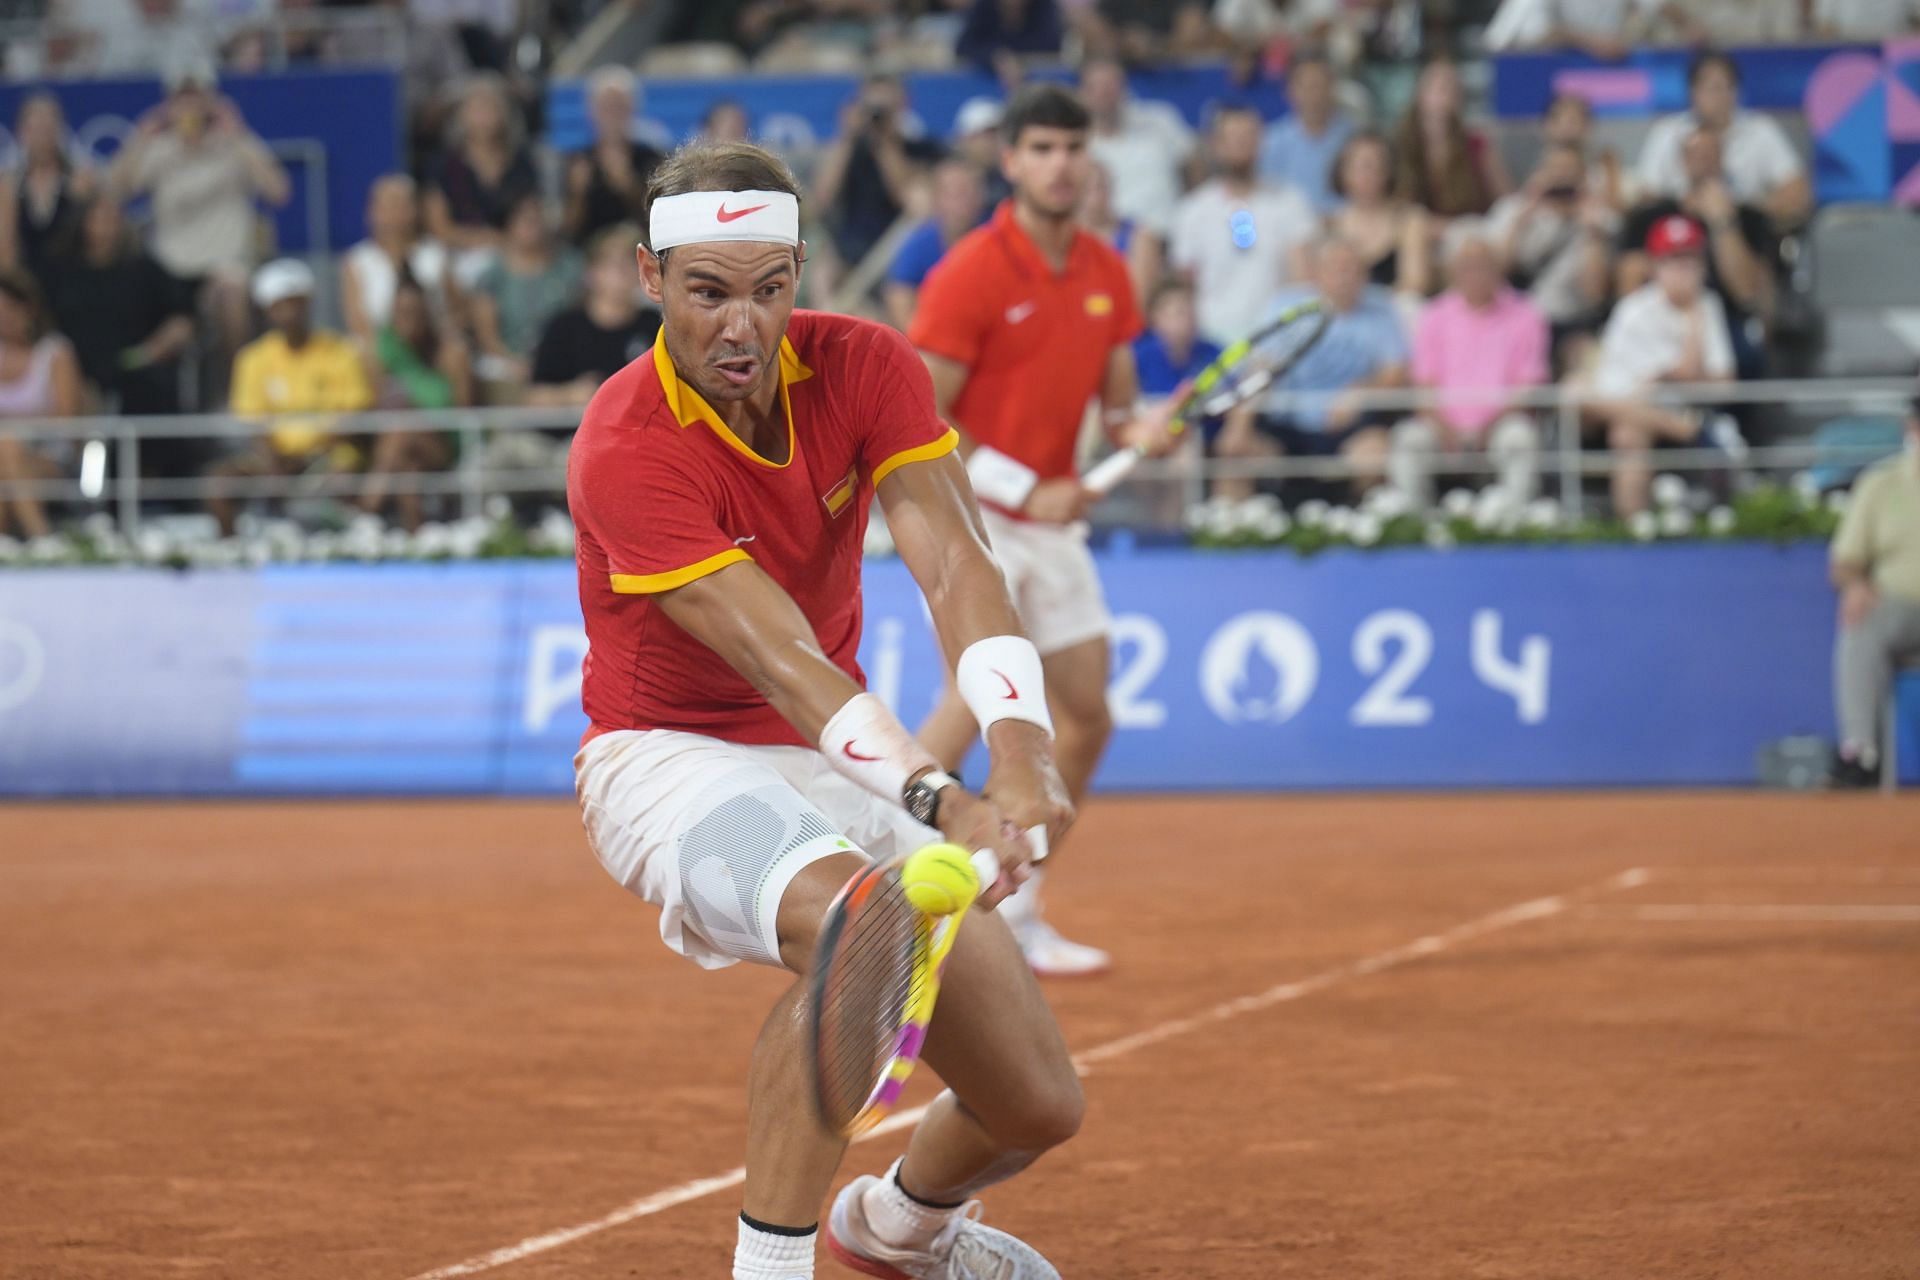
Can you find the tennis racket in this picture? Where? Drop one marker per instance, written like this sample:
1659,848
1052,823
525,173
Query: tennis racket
1236,375
876,974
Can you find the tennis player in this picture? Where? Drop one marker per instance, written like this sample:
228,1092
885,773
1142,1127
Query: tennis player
1025,321
736,774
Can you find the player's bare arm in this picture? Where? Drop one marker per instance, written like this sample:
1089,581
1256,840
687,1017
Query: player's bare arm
1058,501
936,527
742,614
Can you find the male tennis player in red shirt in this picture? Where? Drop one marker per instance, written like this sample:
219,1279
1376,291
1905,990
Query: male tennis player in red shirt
1024,322
736,773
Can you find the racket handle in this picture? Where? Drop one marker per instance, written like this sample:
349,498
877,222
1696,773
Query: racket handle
1037,840
1111,471
987,866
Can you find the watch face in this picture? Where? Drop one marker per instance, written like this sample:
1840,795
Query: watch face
922,800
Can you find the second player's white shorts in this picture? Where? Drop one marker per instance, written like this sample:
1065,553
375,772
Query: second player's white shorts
1052,578
713,832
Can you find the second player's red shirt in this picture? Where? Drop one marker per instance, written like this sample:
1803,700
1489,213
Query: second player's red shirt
663,493
1035,341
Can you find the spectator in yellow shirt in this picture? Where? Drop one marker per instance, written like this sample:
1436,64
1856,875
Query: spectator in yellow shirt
288,375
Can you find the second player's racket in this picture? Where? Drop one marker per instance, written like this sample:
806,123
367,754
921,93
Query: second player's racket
876,974
1236,376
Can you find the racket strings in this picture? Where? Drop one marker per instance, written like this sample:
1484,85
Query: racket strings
872,981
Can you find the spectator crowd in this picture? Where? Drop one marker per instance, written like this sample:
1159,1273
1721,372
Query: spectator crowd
495,271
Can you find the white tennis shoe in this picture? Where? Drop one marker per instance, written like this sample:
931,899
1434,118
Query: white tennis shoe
1051,956
964,1250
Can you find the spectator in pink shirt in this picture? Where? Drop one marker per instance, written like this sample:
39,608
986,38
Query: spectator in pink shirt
1474,345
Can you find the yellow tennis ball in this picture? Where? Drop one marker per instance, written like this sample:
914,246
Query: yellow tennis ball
940,879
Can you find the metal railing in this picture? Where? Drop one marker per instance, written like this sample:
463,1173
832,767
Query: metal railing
374,35
109,449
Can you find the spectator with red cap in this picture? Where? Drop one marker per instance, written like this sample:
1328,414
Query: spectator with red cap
1671,330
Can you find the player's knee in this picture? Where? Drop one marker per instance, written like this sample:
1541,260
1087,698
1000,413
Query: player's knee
1045,1117
1088,718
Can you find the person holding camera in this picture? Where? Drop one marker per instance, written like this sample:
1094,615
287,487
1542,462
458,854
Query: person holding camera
1555,237
865,176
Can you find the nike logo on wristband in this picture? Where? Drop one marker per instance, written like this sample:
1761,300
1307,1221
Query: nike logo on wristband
724,214
1012,694
851,754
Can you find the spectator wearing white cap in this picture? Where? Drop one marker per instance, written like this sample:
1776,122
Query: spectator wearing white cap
205,171
976,138
1673,329
607,183
295,376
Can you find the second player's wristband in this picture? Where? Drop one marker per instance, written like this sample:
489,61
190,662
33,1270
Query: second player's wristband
1001,480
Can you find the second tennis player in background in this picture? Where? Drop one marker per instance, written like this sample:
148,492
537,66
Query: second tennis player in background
1024,322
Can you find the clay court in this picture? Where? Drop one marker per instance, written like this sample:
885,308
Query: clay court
1511,1036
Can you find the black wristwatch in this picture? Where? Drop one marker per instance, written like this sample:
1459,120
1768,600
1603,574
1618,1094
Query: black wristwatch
922,796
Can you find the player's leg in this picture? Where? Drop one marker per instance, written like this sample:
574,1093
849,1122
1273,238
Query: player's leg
1077,696
1012,1095
1065,612
742,867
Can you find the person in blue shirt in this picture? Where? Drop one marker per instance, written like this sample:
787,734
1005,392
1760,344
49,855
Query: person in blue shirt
1315,410
1301,149
959,204
1172,351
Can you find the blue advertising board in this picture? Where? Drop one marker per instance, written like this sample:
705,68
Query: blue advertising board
354,116
1523,667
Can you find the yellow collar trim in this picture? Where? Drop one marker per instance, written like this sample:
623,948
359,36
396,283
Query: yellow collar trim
689,406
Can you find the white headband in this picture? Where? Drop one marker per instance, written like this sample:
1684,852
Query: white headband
699,217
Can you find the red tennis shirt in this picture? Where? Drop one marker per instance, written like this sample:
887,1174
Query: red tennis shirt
1035,341
663,493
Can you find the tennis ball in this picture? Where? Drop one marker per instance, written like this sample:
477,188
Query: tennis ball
940,879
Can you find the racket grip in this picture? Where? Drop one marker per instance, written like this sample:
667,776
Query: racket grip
1037,841
987,866
1111,471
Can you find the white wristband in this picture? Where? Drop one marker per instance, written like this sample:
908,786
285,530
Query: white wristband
868,744
1000,679
999,479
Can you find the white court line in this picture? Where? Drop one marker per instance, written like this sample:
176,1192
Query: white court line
1226,1011
1796,912
1710,877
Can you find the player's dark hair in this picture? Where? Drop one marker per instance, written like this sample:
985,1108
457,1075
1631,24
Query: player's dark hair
716,166
1044,106
1712,58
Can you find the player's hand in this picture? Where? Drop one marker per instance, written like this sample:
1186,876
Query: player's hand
1152,432
976,823
1857,603
1060,501
1024,781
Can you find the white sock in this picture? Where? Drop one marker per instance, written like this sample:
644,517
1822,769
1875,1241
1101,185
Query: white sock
900,1220
1023,908
773,1255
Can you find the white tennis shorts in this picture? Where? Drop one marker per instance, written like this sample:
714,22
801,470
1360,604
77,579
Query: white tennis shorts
1051,576
713,832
